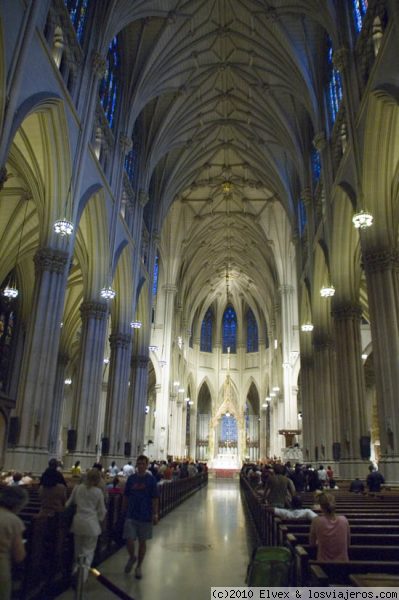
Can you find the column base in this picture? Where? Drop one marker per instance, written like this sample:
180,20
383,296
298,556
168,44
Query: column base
389,467
350,468
26,459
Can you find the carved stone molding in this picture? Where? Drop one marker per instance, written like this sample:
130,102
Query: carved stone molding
49,259
384,259
125,143
99,64
119,340
306,196
319,141
169,288
3,177
341,59
139,362
93,310
323,342
344,312
143,198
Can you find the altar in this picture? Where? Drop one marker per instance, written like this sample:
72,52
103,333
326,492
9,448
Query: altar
225,461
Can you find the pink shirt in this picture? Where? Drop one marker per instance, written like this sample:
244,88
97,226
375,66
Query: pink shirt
332,537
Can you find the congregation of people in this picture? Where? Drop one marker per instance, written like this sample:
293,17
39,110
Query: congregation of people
81,495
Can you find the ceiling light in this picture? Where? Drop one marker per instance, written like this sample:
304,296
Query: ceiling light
135,324
10,291
362,220
152,348
364,356
306,327
106,361
63,227
108,293
176,383
276,388
68,381
327,291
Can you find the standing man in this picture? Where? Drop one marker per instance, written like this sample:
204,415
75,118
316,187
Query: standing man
141,504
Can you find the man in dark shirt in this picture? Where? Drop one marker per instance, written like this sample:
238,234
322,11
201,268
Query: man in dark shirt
374,480
53,469
141,504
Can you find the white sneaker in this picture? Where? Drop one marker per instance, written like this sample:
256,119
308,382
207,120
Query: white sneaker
138,574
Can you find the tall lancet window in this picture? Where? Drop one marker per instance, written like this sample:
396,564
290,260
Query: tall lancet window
206,332
229,325
334,85
78,10
109,86
359,12
155,276
252,332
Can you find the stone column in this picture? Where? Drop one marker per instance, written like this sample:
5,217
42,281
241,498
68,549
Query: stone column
309,424
36,388
137,402
325,405
351,389
117,394
382,268
87,395
176,432
57,407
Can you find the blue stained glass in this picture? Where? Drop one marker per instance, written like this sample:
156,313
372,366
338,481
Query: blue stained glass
334,86
206,332
155,278
228,429
302,217
109,83
316,165
130,164
359,11
229,325
252,332
78,14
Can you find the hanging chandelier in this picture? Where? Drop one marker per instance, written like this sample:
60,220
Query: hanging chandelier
135,324
307,327
327,291
362,220
63,227
108,293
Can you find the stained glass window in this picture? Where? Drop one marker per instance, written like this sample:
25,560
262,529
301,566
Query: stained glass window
206,332
7,337
228,430
316,165
78,13
130,164
252,332
334,85
109,84
229,325
302,218
359,11
155,277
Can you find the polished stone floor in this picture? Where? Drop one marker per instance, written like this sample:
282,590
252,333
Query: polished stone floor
204,542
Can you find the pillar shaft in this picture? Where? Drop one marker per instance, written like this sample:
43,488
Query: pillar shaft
117,393
55,445
87,396
309,425
325,404
137,402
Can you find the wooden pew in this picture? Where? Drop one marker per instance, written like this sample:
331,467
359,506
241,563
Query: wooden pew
329,574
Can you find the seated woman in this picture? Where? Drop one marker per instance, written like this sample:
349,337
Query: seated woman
12,549
52,494
76,470
330,532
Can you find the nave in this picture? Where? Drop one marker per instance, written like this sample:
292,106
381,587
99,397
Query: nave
205,542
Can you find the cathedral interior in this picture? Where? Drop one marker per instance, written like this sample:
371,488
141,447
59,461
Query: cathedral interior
199,215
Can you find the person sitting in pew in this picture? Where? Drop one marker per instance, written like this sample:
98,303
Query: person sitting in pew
356,486
330,532
296,511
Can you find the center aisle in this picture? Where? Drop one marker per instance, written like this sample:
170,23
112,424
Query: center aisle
204,542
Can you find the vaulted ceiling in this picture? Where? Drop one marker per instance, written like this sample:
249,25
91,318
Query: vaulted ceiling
224,94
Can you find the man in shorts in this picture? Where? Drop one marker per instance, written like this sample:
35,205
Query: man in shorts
141,504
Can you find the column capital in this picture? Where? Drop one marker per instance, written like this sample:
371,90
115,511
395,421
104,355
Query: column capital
306,196
381,259
139,361
119,340
319,141
99,64
346,311
341,58
143,198
169,288
49,259
93,310
322,342
286,289
125,143
3,177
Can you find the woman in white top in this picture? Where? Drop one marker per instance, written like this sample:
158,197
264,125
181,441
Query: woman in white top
90,512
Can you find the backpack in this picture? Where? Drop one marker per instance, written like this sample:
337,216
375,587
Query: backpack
270,566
